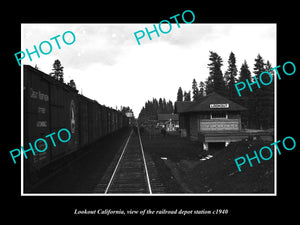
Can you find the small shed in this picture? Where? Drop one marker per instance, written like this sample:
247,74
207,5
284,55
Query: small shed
169,121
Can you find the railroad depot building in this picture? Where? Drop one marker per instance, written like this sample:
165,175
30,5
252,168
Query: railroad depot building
213,119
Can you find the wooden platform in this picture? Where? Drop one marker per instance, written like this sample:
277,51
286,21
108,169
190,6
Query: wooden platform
234,136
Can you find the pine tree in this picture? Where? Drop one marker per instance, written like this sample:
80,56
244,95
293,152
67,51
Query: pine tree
209,85
179,94
187,96
171,107
230,77
244,100
258,93
244,73
164,105
268,68
268,99
72,84
215,81
160,106
155,104
184,95
58,72
195,90
259,66
201,89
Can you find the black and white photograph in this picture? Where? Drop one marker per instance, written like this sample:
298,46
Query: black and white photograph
148,110
175,114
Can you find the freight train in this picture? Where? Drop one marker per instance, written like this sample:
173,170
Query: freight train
50,105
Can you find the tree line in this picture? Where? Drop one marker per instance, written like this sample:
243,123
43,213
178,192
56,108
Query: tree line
260,102
154,107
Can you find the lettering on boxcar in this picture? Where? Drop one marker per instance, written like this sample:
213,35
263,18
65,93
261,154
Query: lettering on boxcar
41,123
43,97
38,95
33,94
41,110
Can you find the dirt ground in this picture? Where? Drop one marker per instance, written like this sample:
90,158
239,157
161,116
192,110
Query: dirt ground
185,168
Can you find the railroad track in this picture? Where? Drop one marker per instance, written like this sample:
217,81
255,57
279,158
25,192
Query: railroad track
129,174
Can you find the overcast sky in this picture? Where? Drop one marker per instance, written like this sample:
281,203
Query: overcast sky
109,66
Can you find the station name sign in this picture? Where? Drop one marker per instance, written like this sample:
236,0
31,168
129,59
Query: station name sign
219,106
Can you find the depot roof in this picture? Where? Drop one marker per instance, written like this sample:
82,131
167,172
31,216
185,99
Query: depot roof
210,102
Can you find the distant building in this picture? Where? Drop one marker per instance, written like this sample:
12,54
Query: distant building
213,119
130,116
169,121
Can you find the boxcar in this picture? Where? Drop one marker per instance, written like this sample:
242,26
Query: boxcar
64,114
98,129
104,120
83,118
36,114
113,122
108,111
50,105
91,121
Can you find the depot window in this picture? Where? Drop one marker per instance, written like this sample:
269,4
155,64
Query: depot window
219,115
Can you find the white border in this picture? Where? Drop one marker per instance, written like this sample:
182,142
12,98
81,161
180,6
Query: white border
22,115
275,118
167,194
